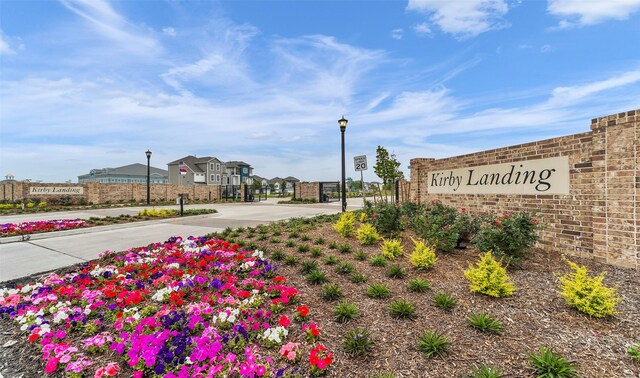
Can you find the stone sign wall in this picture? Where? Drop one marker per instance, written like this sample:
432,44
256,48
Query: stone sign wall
593,209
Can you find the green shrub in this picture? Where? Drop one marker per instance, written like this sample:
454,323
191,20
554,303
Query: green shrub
489,277
360,256
634,352
484,323
423,256
303,248
484,371
510,236
316,252
42,205
316,277
290,260
432,344
444,301
546,364
294,235
588,294
378,291
345,268
345,225
333,245
358,342
308,267
278,255
358,278
385,217
290,244
396,271
378,261
345,311
331,260
367,234
402,309
344,248
274,240
418,285
305,238
331,292
319,241
384,375
392,248
467,225
436,224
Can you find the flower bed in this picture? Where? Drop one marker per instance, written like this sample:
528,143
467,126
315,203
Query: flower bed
183,308
12,229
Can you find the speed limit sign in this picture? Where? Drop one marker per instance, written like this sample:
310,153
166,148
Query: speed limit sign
360,162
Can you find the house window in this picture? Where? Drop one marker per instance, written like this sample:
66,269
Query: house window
245,170
211,166
217,166
217,178
213,177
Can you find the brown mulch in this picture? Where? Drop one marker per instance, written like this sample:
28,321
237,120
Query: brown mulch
536,315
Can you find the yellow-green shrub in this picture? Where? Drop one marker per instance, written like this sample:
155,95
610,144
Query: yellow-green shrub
157,213
489,277
6,206
423,256
588,294
392,248
367,234
363,217
42,204
30,205
344,226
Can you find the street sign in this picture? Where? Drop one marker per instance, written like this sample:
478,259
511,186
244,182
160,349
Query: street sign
360,162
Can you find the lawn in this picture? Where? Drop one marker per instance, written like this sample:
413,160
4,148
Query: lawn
150,308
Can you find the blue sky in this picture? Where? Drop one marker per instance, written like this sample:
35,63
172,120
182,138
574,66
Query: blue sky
90,83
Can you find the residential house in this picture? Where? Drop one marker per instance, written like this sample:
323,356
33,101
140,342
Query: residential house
128,174
237,172
263,181
204,170
282,185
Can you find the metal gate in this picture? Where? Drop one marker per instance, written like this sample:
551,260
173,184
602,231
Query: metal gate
257,195
329,191
231,192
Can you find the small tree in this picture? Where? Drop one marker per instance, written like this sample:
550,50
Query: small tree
256,185
387,167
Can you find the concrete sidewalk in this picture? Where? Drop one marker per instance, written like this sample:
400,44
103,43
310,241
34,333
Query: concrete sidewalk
54,250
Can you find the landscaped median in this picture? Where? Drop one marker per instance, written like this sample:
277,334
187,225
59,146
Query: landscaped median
377,294
36,227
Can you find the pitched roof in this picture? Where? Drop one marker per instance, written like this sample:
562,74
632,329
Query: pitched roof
192,162
135,169
258,178
291,179
236,163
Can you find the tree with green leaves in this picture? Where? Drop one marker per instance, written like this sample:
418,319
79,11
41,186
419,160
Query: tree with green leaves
387,167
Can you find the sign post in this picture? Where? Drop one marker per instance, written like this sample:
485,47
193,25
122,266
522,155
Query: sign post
360,163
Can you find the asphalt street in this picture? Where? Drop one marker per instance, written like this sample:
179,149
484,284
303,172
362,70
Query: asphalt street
54,250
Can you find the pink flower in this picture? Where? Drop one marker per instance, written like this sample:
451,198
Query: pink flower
52,365
112,369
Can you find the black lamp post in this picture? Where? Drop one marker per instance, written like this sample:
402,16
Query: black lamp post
343,126
148,153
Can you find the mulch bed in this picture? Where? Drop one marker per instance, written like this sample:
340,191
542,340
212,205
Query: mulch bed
536,315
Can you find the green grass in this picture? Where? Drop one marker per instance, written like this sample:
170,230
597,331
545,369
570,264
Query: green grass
290,244
484,323
274,240
418,285
358,278
331,292
333,245
305,238
331,260
316,252
378,291
402,309
484,371
278,255
433,344
547,364
319,241
294,235
360,256
291,260
444,301
345,311
303,248
384,375
309,266
344,248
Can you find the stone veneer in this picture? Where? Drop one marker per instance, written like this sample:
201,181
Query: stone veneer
600,218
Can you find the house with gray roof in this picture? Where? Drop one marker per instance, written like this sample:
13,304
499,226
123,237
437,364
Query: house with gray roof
208,170
128,174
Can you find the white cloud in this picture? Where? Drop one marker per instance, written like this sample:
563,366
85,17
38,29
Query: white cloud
396,34
5,48
591,12
169,31
422,28
463,18
111,25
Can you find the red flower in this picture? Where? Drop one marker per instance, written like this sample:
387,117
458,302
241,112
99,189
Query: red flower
320,357
33,337
284,321
303,311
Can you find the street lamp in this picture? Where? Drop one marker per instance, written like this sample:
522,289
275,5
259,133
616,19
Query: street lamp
148,153
343,126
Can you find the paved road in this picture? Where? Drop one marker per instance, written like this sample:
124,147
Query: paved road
49,251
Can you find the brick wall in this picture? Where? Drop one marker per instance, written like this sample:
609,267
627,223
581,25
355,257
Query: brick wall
99,193
600,218
307,190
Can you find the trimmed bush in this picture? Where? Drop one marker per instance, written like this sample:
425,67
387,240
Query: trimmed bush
392,248
546,364
423,256
509,236
489,277
367,234
345,225
588,294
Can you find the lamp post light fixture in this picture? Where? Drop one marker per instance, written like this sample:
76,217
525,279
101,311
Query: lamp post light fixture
148,153
343,126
